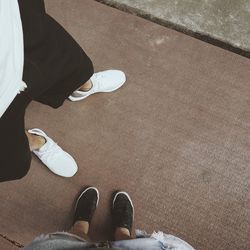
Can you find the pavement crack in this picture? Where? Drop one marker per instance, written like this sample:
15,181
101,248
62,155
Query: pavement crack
13,242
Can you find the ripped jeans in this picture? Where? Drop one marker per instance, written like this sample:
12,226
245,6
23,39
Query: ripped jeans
143,241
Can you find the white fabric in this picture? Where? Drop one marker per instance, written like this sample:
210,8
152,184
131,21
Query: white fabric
169,241
11,53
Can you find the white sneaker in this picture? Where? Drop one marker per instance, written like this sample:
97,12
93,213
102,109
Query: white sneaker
104,81
56,159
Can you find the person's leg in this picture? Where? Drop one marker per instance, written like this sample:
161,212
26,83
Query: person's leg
77,236
122,216
51,154
86,86
35,141
55,65
15,157
86,205
81,229
101,82
122,233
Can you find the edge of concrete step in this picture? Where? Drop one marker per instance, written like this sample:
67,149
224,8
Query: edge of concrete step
198,35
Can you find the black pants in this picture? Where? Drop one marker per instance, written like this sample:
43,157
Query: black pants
15,153
54,66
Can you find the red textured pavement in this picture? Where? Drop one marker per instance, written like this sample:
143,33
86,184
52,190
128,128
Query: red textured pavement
176,136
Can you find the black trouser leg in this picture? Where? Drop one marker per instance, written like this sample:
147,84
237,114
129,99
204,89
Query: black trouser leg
15,155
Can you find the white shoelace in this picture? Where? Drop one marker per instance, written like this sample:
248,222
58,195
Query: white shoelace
50,151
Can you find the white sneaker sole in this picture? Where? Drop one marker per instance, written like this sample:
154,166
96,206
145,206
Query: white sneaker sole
80,98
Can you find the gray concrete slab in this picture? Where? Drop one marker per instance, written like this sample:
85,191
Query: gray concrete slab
225,20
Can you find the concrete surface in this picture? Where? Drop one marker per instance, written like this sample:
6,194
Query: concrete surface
224,20
6,245
176,136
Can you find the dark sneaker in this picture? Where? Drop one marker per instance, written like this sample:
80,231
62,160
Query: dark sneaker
86,204
122,211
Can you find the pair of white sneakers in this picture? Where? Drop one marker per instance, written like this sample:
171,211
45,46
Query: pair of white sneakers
52,155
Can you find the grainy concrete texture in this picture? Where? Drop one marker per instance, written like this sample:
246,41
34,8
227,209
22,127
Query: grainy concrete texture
176,136
224,20
6,245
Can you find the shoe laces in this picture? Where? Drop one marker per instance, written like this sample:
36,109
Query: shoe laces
98,78
51,150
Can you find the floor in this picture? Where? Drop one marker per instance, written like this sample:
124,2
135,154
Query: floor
176,136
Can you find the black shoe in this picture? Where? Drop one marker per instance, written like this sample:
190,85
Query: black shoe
122,211
86,204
